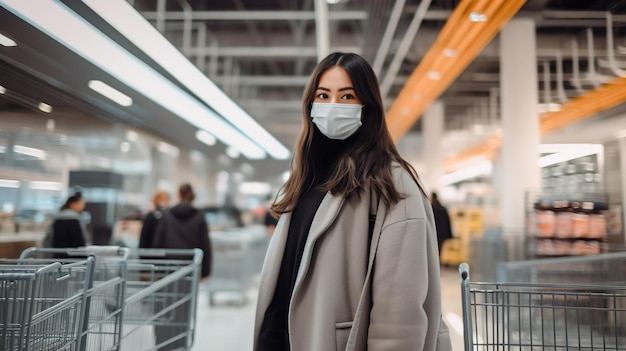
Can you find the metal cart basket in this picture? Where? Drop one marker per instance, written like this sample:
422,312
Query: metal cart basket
42,306
104,303
130,300
237,259
161,299
535,316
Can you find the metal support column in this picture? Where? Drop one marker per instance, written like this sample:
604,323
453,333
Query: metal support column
321,29
520,120
432,134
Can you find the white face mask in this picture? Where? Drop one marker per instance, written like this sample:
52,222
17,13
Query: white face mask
336,121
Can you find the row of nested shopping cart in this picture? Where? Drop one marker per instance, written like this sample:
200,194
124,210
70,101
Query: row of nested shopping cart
99,298
557,304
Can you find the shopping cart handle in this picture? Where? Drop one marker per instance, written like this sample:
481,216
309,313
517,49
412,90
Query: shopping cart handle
464,271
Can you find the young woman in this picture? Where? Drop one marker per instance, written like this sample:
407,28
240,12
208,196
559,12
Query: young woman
68,228
353,263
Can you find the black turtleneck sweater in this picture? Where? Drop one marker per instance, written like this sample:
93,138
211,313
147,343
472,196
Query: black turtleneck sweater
325,152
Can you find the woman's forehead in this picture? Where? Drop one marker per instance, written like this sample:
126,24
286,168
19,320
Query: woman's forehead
335,77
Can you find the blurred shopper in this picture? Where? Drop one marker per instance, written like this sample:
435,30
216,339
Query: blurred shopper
160,201
442,220
68,228
318,289
181,227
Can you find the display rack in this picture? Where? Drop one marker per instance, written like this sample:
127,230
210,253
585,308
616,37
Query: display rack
566,224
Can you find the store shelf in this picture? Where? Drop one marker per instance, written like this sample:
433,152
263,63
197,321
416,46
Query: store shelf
566,224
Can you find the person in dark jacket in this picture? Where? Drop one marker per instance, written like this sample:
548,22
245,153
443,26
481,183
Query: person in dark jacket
442,220
68,228
184,227
160,201
181,227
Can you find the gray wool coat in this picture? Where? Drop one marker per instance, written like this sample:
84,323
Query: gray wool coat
346,298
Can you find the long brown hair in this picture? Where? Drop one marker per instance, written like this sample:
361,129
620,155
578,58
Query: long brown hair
368,160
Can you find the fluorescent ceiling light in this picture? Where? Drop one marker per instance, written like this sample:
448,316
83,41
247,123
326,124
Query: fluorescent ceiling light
480,169
168,149
332,2
572,154
434,75
232,152
553,148
63,25
3,149
29,151
477,17
131,135
125,146
2,89
52,186
110,93
255,188
449,53
43,107
130,23
98,161
206,137
7,183
6,41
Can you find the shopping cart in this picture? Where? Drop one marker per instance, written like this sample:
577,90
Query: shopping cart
161,298
237,259
527,316
603,269
104,305
42,306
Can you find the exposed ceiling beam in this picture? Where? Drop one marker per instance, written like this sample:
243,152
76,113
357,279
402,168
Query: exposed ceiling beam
580,15
584,106
456,46
257,15
477,81
576,23
263,51
403,49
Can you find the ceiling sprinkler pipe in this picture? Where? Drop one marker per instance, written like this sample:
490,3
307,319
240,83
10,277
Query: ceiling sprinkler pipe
576,67
591,59
610,48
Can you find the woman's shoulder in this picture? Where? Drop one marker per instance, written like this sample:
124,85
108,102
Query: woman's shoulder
413,204
404,181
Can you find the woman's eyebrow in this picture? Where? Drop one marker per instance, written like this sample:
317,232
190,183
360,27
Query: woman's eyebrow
341,89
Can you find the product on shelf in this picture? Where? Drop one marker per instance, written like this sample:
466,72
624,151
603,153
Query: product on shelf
597,226
564,224
545,223
569,225
580,225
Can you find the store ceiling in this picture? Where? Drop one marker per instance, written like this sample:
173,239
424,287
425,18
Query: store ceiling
263,59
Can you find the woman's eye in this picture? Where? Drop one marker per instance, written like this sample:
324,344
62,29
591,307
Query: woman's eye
322,96
348,97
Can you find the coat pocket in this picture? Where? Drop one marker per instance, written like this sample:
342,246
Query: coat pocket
342,333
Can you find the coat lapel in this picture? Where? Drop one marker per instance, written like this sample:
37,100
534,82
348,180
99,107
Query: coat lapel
271,268
324,218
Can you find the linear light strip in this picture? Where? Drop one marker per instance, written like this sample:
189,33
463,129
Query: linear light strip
60,23
123,17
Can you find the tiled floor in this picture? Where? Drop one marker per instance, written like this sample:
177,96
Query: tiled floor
229,328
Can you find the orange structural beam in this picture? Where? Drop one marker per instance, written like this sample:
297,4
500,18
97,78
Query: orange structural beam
586,105
581,107
458,43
